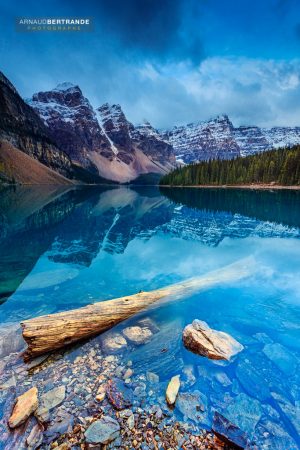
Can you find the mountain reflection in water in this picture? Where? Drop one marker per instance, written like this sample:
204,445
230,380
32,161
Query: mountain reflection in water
73,226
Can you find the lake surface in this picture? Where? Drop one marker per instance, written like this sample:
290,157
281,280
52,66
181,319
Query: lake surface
62,250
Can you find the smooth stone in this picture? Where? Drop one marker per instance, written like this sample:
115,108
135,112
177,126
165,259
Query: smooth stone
229,432
103,431
113,343
128,374
213,344
100,397
172,390
137,335
26,404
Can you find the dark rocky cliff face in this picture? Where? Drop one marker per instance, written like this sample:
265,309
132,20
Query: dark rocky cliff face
117,129
22,127
72,123
152,144
126,137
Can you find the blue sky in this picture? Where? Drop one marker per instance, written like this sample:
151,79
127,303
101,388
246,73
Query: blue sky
167,61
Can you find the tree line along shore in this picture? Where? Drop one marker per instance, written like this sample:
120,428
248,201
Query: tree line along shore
273,167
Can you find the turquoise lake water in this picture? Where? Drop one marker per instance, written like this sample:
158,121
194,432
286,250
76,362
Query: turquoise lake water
62,250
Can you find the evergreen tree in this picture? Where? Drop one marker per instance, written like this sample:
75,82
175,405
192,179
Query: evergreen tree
281,166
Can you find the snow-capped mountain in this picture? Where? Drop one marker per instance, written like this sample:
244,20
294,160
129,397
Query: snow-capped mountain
202,141
102,141
282,136
72,122
218,138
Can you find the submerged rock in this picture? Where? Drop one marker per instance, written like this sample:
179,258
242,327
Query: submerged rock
137,335
35,437
148,323
229,432
37,361
11,382
193,406
281,357
152,377
26,404
162,355
188,375
245,412
251,378
50,400
118,394
200,339
11,339
113,343
103,431
172,390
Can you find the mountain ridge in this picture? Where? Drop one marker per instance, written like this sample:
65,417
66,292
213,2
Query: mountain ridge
102,140
217,138
62,130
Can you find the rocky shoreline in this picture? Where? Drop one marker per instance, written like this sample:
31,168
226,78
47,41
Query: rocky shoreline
87,398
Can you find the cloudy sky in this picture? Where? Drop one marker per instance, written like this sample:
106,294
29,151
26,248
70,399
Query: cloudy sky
167,61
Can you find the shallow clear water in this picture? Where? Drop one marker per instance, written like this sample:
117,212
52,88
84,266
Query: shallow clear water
62,250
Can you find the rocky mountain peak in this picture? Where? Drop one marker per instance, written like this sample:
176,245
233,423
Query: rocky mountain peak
113,117
148,130
115,125
66,86
64,94
72,122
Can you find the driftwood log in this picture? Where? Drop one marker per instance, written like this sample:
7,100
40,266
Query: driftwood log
47,333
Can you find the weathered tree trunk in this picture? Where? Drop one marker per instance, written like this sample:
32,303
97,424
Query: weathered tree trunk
54,331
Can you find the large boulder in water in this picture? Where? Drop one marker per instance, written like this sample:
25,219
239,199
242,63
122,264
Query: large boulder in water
200,339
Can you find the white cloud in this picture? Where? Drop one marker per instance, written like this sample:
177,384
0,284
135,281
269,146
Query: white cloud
250,91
